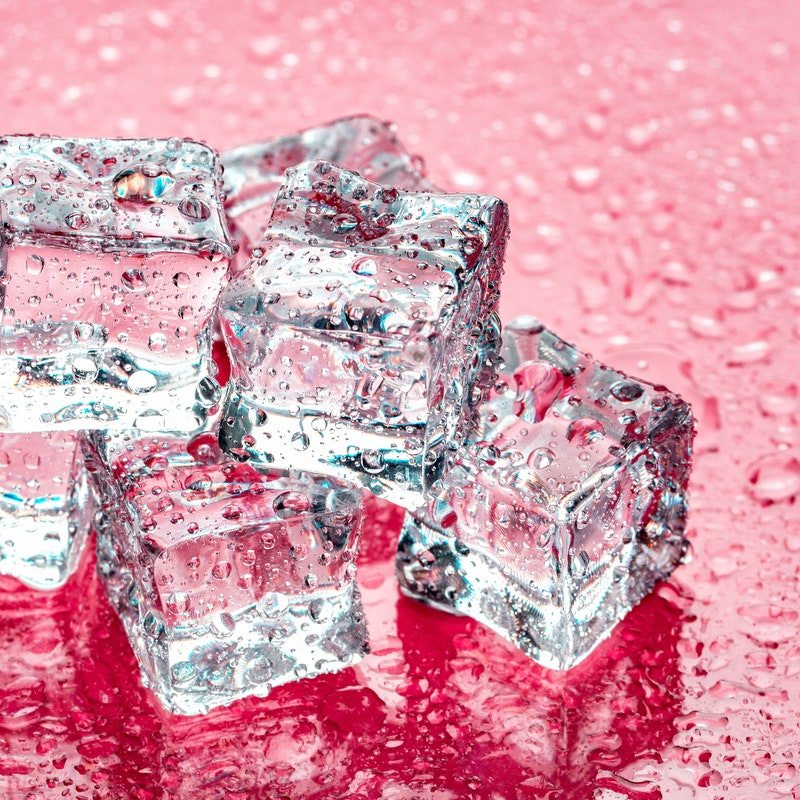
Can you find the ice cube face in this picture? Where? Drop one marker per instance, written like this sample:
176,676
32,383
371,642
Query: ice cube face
254,173
228,581
46,507
113,254
362,334
565,509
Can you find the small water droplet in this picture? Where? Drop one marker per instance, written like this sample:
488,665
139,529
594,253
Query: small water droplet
77,221
34,264
142,381
194,208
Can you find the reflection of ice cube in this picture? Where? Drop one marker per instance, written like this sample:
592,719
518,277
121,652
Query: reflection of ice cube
113,254
363,334
363,144
45,507
566,507
228,581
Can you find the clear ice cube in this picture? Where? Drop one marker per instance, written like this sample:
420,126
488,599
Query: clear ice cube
363,332
565,509
228,581
112,257
46,507
361,143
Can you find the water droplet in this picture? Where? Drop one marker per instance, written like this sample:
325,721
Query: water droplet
77,221
541,458
627,391
34,264
157,342
774,478
84,369
142,381
133,280
585,431
194,208
182,280
290,504
142,184
372,462
221,570
365,266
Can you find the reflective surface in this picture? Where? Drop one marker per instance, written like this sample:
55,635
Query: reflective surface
649,152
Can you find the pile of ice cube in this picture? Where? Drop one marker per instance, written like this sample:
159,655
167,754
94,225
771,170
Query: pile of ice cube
358,307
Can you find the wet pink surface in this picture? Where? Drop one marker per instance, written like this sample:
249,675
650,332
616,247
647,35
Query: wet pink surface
649,152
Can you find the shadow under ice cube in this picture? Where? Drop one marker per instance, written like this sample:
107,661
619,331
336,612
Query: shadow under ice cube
46,507
228,581
362,333
566,507
361,143
112,255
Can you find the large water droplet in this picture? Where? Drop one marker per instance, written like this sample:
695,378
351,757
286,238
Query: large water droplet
290,504
84,369
144,183
34,264
585,431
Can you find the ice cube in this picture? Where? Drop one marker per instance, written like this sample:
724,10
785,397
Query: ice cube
363,332
361,143
113,254
46,507
565,509
228,581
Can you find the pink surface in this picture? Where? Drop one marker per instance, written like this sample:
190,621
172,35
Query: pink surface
649,153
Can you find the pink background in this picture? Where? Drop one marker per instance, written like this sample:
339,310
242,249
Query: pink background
649,152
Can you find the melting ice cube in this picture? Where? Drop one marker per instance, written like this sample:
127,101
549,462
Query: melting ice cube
362,334
565,508
113,254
